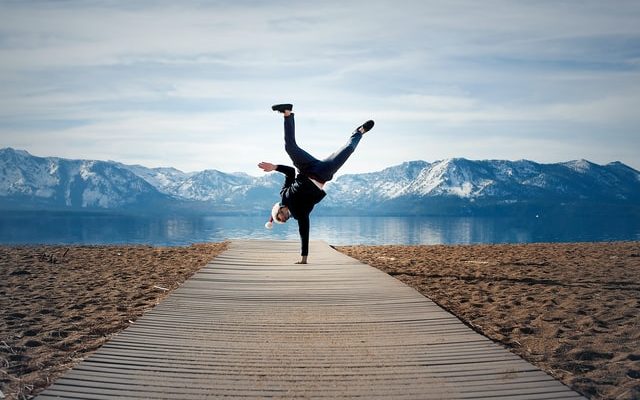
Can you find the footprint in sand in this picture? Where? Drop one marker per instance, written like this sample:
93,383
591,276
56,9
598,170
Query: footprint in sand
590,355
14,316
18,358
506,330
526,330
75,318
33,343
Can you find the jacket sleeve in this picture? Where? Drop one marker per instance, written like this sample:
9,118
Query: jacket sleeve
303,228
289,172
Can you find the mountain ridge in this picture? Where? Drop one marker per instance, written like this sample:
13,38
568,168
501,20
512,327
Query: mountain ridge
454,186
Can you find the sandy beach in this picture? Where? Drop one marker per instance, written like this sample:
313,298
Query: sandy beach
571,309
59,304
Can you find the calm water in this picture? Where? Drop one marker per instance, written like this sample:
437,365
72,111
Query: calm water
32,228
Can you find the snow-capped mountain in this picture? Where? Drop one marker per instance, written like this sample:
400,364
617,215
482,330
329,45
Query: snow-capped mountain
375,186
209,185
419,185
165,180
29,181
452,186
496,178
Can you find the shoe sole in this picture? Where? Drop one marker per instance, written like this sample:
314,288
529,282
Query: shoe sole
282,107
367,126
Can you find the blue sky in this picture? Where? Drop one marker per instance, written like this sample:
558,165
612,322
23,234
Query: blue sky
189,84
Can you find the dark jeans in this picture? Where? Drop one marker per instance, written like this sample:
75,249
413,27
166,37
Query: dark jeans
320,170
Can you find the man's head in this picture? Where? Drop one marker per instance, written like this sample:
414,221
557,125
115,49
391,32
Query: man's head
280,213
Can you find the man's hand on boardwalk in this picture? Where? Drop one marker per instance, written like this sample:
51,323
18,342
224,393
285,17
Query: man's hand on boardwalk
267,167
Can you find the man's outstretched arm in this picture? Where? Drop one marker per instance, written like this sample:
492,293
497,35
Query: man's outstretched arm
267,166
289,172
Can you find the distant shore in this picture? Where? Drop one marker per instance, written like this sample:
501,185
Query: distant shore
571,309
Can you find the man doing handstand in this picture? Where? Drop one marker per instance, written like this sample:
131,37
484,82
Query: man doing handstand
301,192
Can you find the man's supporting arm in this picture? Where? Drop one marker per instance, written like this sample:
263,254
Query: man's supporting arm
303,228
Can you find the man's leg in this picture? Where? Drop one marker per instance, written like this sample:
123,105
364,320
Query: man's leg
330,165
301,159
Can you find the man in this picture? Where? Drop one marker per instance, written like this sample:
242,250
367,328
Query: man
301,192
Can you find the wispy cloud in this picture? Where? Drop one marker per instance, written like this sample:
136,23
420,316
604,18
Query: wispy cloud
189,84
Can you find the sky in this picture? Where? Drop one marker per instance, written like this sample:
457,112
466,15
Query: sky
190,84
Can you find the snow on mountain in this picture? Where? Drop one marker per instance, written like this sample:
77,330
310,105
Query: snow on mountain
447,178
55,182
59,182
505,181
23,175
386,184
165,179
208,185
580,166
213,185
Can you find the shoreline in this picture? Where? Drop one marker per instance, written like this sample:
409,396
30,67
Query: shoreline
572,309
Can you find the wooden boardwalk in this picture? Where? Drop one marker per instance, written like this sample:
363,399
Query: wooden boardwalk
253,325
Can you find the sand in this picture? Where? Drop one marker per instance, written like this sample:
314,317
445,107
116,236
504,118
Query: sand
59,304
571,309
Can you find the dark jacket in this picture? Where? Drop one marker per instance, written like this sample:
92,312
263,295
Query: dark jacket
299,194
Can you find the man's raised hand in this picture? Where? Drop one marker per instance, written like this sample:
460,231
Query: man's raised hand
267,167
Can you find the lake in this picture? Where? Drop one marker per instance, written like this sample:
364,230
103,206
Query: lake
69,228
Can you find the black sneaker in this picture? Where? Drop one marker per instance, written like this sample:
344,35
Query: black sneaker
282,107
366,127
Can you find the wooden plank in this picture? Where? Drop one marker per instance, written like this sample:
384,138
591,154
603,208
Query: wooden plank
177,379
251,324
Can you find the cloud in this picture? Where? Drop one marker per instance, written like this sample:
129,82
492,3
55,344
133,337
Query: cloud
189,84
